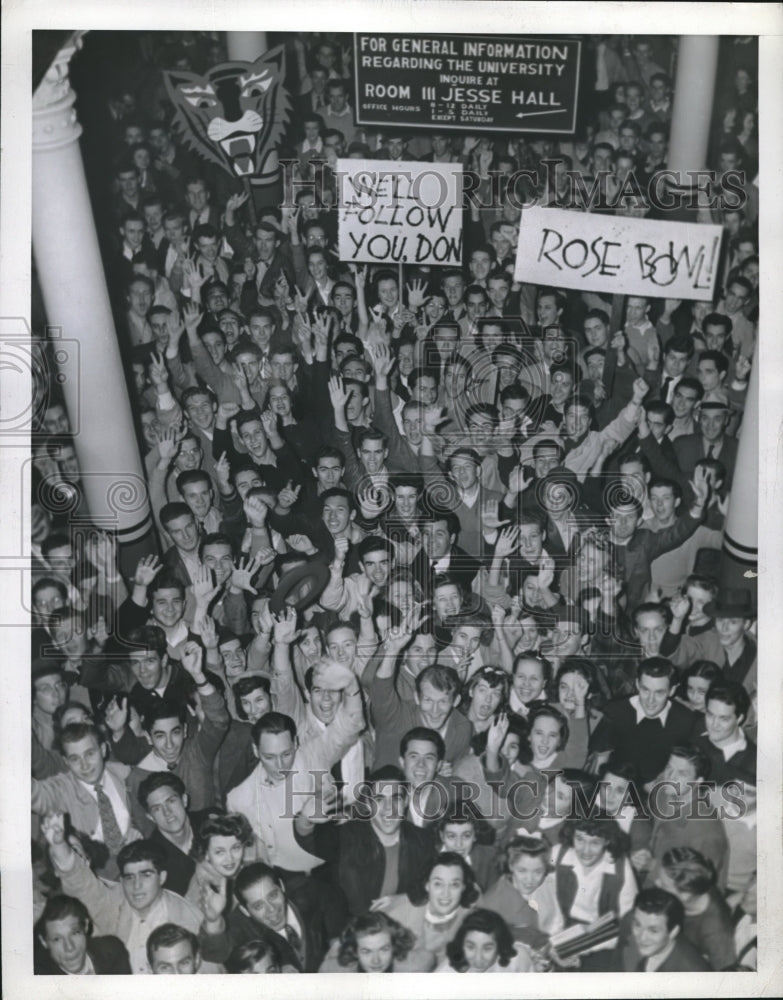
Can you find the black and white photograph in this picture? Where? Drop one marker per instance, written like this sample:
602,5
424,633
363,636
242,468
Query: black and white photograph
390,424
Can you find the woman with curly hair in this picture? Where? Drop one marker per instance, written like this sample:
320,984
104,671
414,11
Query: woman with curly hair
524,895
484,944
374,942
434,911
593,875
219,849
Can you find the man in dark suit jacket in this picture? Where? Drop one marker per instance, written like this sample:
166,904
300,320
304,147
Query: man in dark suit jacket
440,553
163,798
64,945
361,849
711,441
644,728
651,938
296,920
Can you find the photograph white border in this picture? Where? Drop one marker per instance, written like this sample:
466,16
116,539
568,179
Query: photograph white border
19,19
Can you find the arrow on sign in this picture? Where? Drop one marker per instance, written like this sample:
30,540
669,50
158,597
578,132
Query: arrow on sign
529,114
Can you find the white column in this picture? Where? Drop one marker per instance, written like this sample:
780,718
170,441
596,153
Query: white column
72,280
245,46
739,562
694,90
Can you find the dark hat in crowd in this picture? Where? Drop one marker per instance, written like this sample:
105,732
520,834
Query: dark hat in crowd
731,602
300,587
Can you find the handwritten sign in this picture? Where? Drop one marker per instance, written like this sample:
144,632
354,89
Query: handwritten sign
617,254
490,83
402,212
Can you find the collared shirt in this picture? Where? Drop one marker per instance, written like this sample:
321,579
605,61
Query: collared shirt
470,499
121,813
737,745
640,713
314,147
198,219
588,884
442,565
177,635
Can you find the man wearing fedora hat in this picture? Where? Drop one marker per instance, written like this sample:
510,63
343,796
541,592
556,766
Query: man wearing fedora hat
728,643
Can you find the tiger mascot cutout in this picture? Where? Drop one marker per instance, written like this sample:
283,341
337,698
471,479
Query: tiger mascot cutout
234,114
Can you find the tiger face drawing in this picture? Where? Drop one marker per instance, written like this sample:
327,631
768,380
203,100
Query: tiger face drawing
235,113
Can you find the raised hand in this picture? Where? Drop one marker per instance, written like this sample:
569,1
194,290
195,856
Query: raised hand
382,360
680,606
236,201
401,634
300,543
255,511
288,496
490,517
168,443
147,569
285,627
193,314
207,629
700,484
193,276
519,479
640,390
269,423
434,416
239,378
485,158
244,572
341,550
497,733
204,589
223,470
371,501
159,375
498,615
653,354
226,411
192,657
417,294
99,633
333,676
212,900
53,828
300,305
506,543
742,368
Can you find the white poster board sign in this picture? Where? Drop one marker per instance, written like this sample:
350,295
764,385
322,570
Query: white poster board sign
617,254
400,212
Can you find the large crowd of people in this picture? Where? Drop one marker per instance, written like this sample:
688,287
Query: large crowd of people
430,668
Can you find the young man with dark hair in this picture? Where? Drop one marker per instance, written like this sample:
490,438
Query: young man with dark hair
378,853
285,772
293,919
130,909
731,753
654,941
190,755
643,729
95,794
173,950
164,799
65,946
